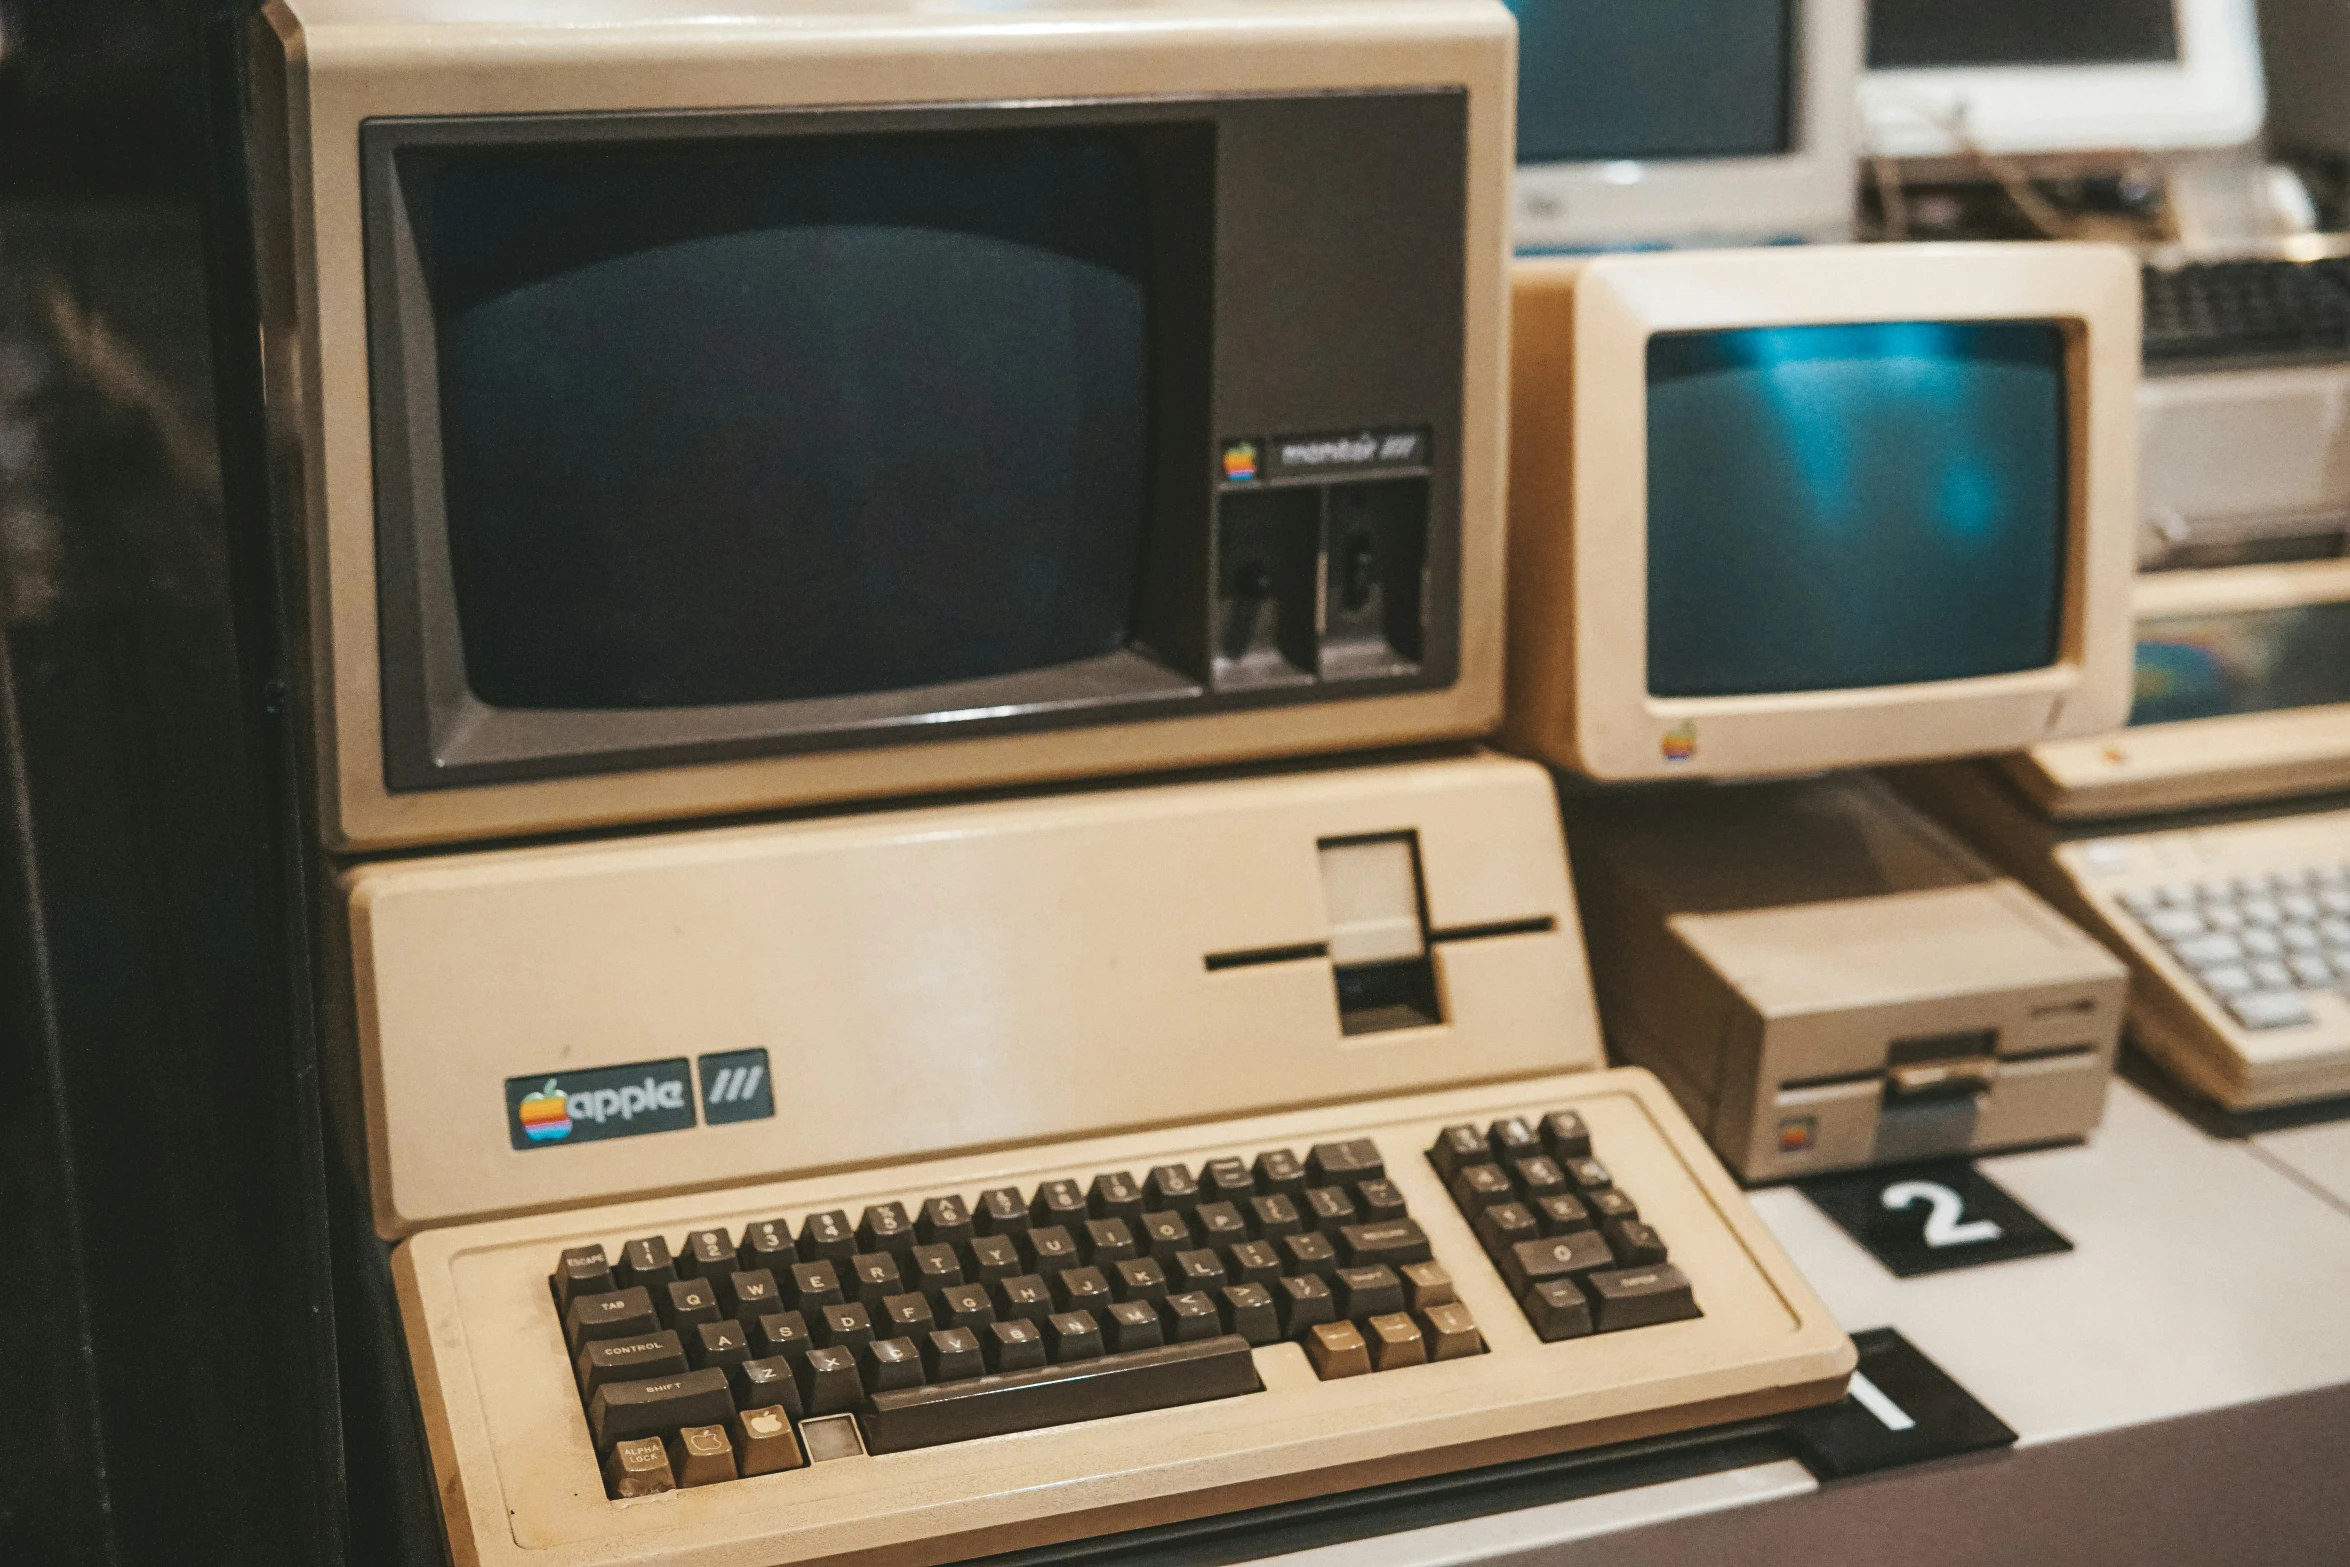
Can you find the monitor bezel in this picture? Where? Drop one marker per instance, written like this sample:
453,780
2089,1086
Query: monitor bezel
1578,681
2211,96
1803,193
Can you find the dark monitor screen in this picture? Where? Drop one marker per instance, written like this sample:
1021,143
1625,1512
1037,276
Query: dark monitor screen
753,421
1601,80
1912,34
2242,661
1843,507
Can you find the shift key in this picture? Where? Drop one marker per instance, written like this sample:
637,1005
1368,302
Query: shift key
657,1406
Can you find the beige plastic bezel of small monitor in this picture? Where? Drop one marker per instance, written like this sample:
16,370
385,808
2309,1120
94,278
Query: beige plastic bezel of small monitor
323,68
1578,502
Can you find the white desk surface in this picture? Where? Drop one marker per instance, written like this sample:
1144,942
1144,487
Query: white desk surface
2205,1274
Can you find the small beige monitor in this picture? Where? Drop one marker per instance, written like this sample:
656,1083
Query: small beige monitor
1777,512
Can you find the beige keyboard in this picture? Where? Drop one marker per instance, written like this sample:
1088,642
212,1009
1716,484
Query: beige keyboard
2239,936
993,1352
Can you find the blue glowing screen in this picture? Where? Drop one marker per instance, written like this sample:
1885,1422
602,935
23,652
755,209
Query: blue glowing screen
1840,507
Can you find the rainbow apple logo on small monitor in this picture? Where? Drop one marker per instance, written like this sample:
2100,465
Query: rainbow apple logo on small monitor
546,1115
1681,741
1240,462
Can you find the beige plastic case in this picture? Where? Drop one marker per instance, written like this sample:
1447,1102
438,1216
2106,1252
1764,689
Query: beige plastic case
956,977
518,1477
327,66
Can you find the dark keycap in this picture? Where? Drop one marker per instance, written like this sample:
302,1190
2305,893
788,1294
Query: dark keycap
1277,1171
687,1302
655,1406
1001,1212
1538,1177
1613,1204
1557,1215
1505,1224
1072,1335
1557,1310
707,1254
1049,1248
1271,1217
1564,1136
845,1327
630,1359
1308,1254
1114,1196
1140,1278
1481,1186
907,1316
812,1286
1395,1243
1328,1207
828,1380
721,1344
582,1270
1252,1262
1181,1373
1108,1242
1058,1202
1012,1346
951,1354
1081,1289
622,1313
1225,1180
873,1275
1513,1137
1200,1269
1553,1257
747,1297
886,1227
767,1244
1131,1325
1190,1317
1367,1292
1248,1312
1025,1297
827,1237
1304,1300
1588,1175
993,1257
1635,1244
1639,1297
965,1306
943,1221
1170,1188
1218,1224
1343,1164
1379,1201
782,1333
934,1268
889,1364
646,1263
1458,1147
1165,1234
764,1381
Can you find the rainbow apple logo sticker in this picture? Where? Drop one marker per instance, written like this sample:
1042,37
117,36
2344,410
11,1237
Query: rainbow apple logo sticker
1681,741
1240,462
546,1115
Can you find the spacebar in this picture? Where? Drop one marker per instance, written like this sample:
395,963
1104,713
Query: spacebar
1140,1379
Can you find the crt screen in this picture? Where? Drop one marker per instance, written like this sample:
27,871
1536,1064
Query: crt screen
745,421
2245,661
1905,34
1600,80
1834,507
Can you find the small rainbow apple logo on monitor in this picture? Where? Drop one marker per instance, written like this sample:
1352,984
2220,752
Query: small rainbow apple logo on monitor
546,1115
1681,741
1240,462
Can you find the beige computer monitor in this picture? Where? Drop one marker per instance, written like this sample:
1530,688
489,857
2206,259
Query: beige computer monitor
1579,686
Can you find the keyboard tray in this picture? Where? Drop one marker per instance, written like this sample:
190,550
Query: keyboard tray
521,1478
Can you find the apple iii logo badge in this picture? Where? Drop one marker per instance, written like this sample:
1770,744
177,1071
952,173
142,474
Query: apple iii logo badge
735,1087
552,1109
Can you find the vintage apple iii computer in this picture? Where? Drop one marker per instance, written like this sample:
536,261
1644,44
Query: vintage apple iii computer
893,606
1703,122
1779,513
